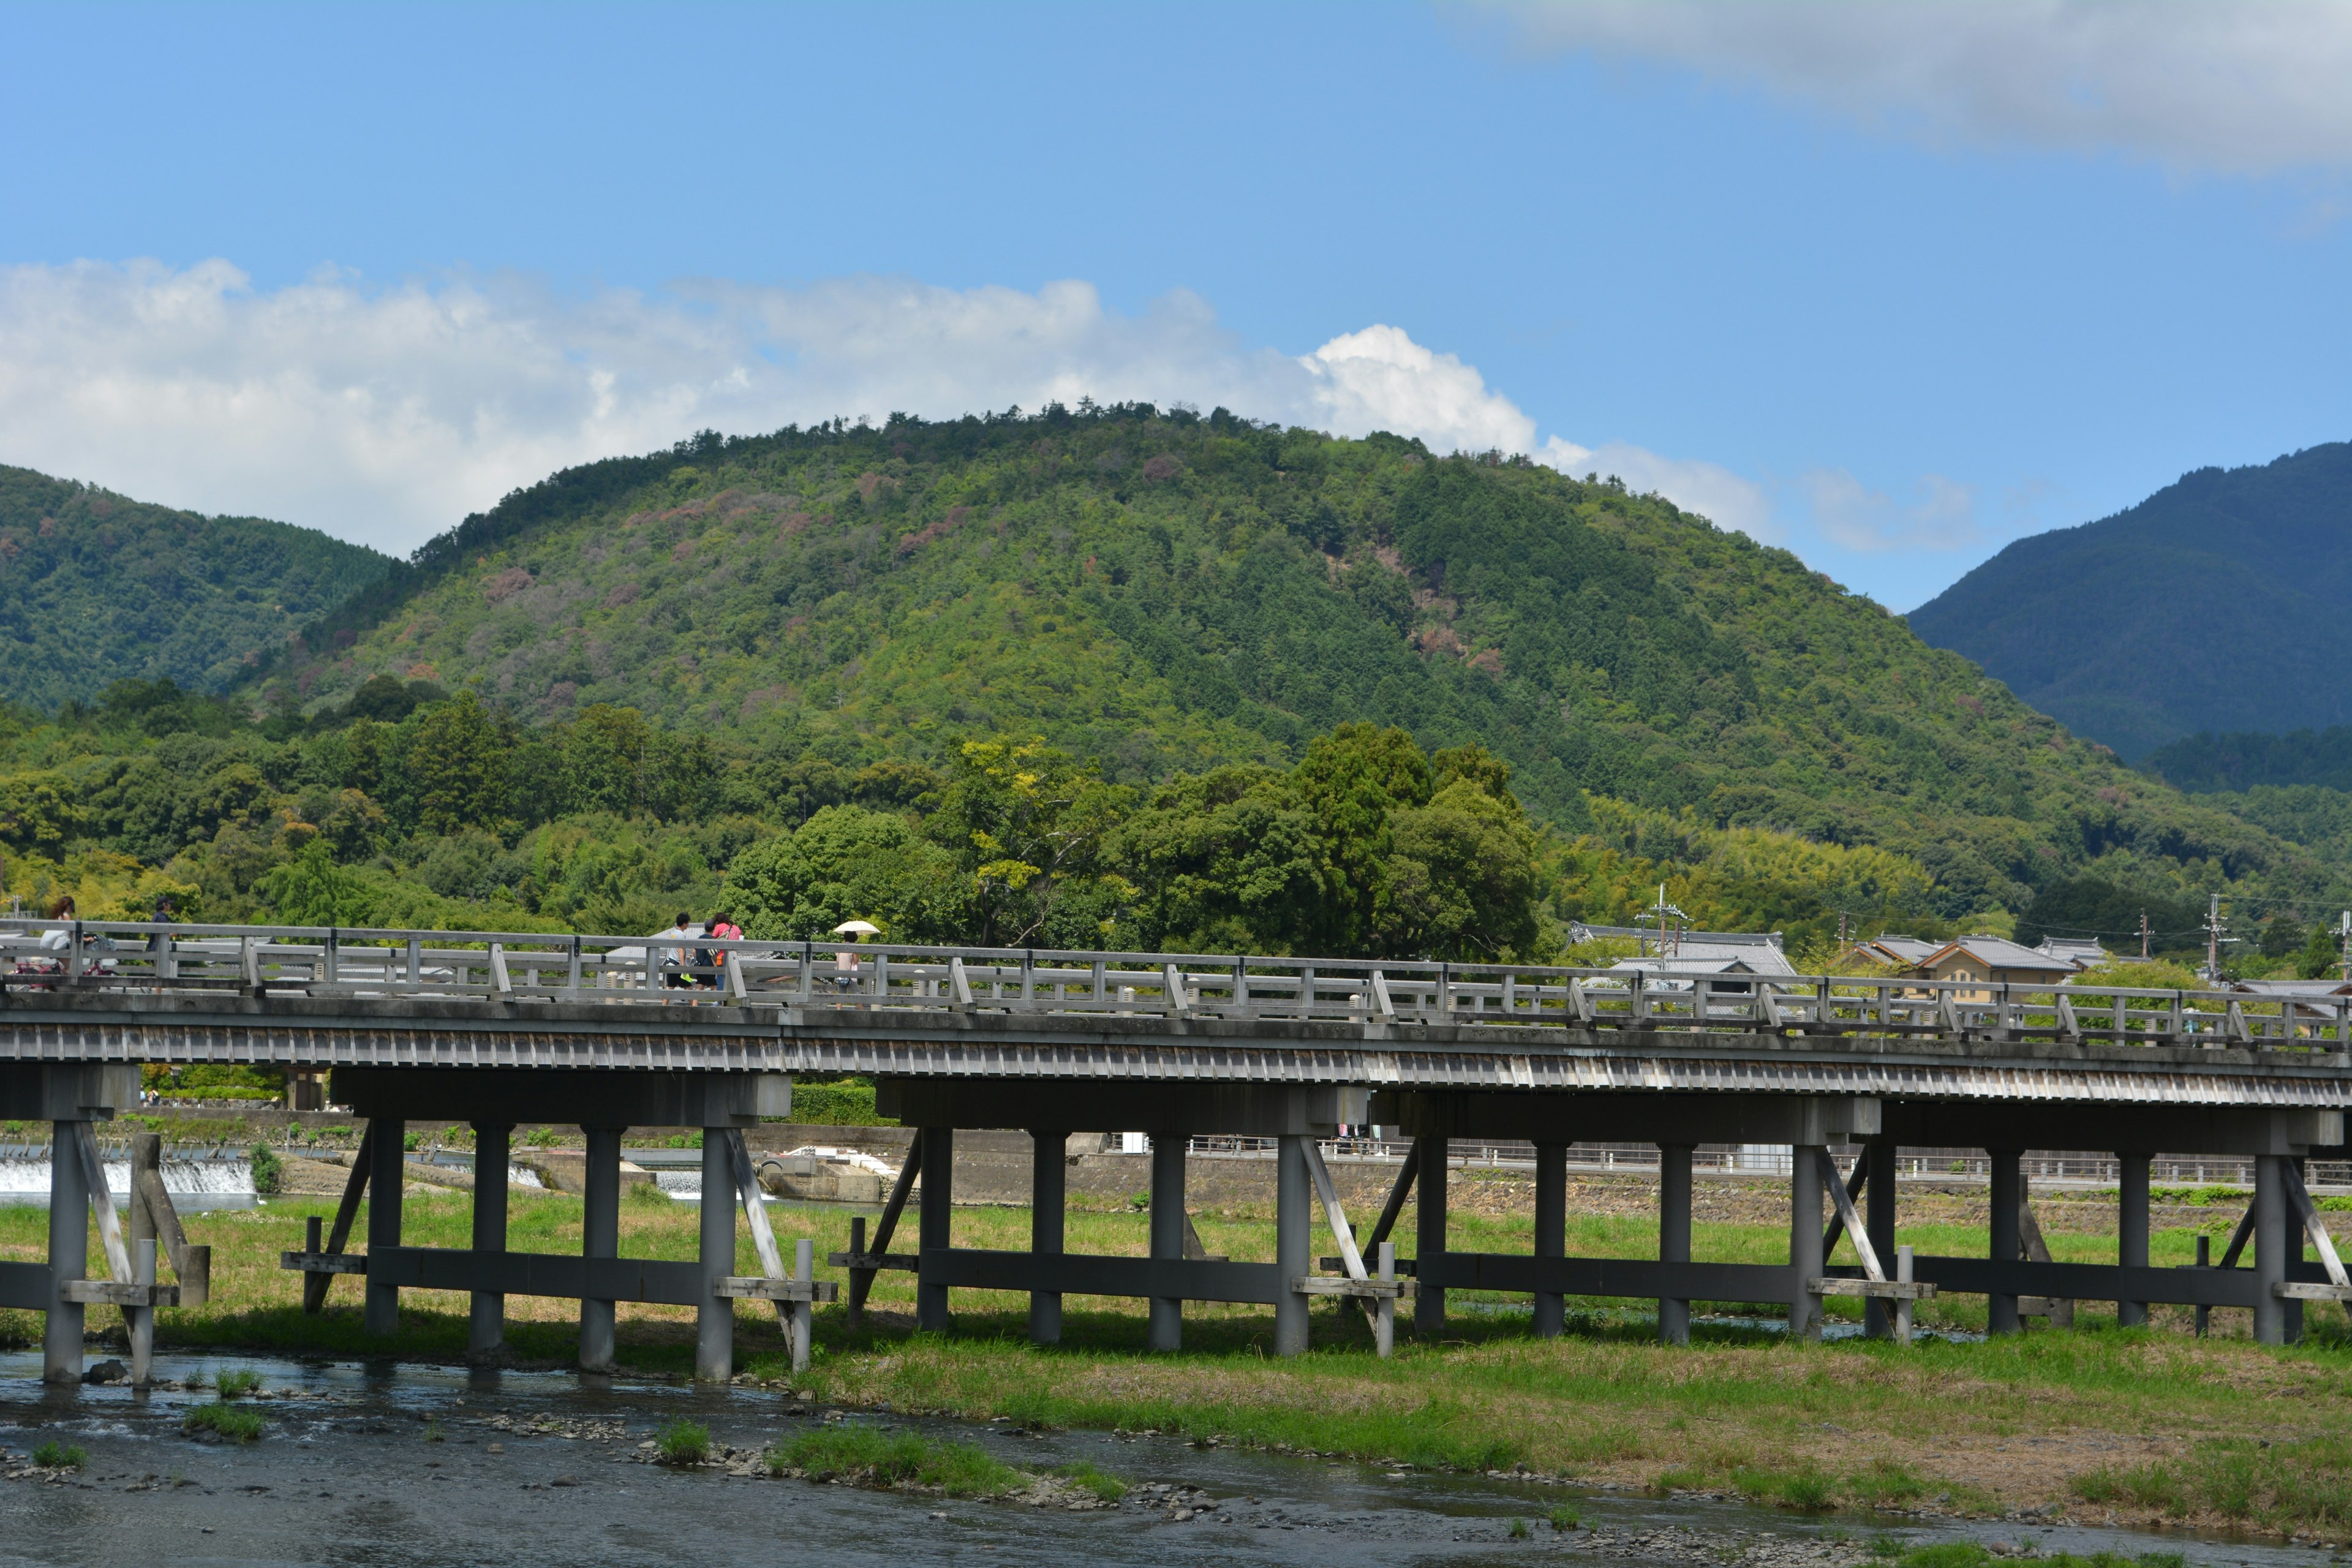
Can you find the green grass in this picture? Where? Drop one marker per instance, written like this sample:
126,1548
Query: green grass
1970,1555
1103,1485
56,1456
1566,1517
235,1422
683,1442
236,1383
874,1457
1519,1530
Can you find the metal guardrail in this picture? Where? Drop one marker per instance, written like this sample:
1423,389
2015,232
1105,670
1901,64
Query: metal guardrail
530,966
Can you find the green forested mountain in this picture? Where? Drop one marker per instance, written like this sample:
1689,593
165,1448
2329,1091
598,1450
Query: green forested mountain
1167,592
1103,675
95,588
2211,606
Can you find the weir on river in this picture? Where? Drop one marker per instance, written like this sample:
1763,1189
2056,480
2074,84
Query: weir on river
608,1033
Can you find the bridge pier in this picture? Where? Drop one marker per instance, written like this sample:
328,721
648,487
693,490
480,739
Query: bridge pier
1294,1233
2131,1229
488,1331
1878,1200
1805,1238
932,1230
1428,1235
69,1253
1674,1235
1166,1331
387,1176
1551,1230
1048,1226
714,1315
2007,1200
2270,1249
600,1237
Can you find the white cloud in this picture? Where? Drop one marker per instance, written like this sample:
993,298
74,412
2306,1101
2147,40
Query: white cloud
387,415
1724,498
1849,513
2248,87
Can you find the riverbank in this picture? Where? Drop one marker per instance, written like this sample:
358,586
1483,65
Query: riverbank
2094,1424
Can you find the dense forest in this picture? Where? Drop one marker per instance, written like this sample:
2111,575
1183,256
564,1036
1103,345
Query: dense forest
2136,631
96,589
1102,674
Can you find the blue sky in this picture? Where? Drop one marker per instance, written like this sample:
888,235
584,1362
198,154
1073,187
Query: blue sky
1887,287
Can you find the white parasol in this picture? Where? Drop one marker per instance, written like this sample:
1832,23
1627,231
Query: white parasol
858,928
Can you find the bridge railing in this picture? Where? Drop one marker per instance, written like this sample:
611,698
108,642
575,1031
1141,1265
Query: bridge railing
537,965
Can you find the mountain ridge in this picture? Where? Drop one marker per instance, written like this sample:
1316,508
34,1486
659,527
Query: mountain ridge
96,587
1169,592
2206,608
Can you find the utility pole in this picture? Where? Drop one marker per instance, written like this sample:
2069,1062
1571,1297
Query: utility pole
2143,933
2213,938
2344,930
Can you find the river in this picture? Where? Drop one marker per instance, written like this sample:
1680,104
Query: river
346,1475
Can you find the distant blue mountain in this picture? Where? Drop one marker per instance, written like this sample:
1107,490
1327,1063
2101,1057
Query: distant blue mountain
2216,604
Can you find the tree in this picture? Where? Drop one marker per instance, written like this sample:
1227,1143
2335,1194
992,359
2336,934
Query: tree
848,862
1029,826
453,765
310,890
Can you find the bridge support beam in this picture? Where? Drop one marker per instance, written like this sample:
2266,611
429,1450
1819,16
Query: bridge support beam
1048,1228
387,1175
1429,1240
2270,1249
2008,1202
1878,1222
488,1331
600,1237
933,1227
1294,1232
2131,1228
1166,1331
69,1253
1551,1230
1804,1238
1674,1235
714,1317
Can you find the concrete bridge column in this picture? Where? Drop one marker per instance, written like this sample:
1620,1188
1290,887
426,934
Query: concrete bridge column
1048,1180
1674,1235
1804,1238
1551,1230
2131,1229
387,1176
714,1319
2296,1245
1294,1237
1167,1330
1878,1223
491,1139
2007,1201
69,1253
600,1237
1429,1240
2270,1249
932,1230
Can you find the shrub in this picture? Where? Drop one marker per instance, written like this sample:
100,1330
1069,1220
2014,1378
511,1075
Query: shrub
683,1442
543,1138
268,1170
234,1422
56,1456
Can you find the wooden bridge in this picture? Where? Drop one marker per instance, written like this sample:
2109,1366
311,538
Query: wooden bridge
605,1033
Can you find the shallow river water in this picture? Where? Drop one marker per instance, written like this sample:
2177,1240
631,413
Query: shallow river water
346,1475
